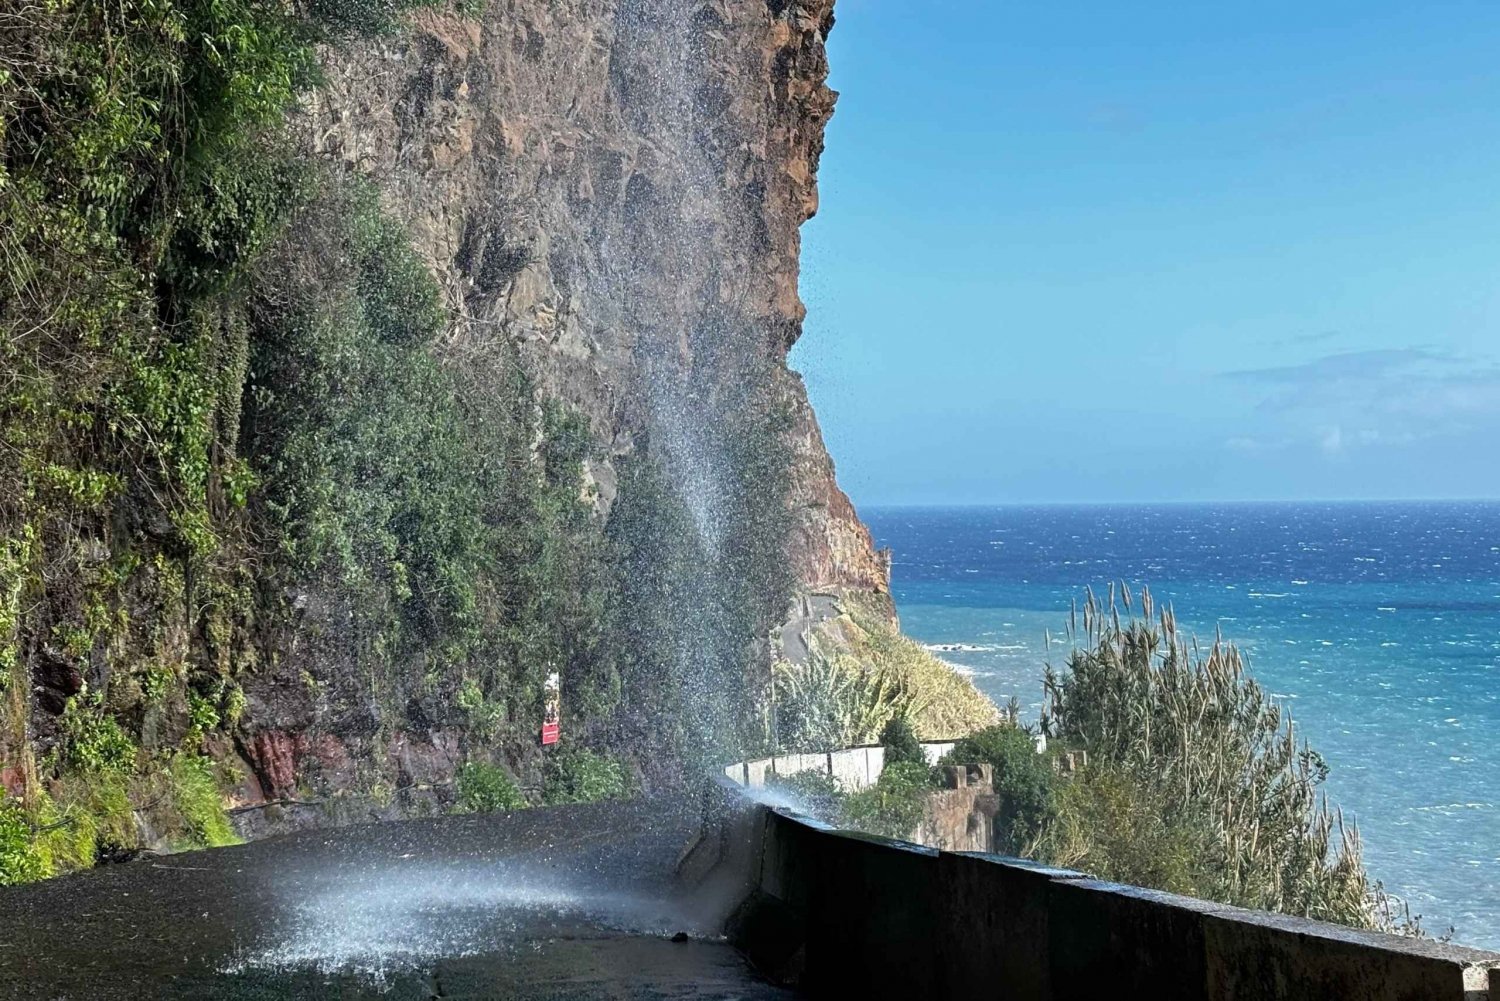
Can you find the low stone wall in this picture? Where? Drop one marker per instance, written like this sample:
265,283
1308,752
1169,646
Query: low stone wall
854,768
850,915
960,815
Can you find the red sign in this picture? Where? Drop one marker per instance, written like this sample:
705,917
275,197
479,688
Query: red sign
552,709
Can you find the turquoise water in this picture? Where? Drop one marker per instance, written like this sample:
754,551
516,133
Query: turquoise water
1378,625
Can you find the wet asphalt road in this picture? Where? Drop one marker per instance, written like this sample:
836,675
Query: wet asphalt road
571,902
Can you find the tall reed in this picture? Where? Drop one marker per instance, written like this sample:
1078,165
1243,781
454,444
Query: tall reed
1204,758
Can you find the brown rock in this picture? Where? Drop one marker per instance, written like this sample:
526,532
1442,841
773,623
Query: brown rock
535,127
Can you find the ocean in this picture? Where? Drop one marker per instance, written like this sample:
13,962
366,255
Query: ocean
1377,625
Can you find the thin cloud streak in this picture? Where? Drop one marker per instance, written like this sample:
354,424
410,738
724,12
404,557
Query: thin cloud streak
1375,399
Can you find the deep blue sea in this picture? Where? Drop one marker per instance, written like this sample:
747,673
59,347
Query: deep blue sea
1378,625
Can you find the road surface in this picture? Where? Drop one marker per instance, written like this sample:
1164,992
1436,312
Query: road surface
571,902
816,609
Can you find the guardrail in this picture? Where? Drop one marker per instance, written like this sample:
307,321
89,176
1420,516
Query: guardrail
851,915
853,767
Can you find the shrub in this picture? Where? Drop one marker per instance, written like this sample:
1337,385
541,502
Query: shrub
20,861
863,673
816,793
900,743
577,775
831,703
95,741
1196,779
1113,825
1024,783
894,806
487,788
439,498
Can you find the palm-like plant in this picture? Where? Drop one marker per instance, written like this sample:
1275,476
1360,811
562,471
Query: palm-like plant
833,702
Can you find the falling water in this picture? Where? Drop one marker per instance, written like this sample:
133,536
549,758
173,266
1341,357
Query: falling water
698,358
702,357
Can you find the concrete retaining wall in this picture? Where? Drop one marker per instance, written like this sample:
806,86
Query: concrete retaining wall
850,915
854,767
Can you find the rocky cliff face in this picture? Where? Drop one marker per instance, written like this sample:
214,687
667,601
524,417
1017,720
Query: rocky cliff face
614,189
601,182
468,375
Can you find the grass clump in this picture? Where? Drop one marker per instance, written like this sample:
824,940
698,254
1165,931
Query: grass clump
578,775
487,788
195,793
83,818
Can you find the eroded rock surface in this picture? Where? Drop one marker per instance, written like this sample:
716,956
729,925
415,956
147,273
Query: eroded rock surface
531,154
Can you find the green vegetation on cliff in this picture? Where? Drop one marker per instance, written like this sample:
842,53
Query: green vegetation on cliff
234,424
862,673
441,502
135,183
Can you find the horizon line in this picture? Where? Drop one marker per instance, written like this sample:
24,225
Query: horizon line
1241,501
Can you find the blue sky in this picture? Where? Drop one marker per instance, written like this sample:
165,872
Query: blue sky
1123,252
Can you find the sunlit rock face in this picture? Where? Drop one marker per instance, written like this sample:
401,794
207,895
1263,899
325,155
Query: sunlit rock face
617,187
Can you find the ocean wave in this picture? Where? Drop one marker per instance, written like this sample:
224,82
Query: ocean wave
966,647
965,672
